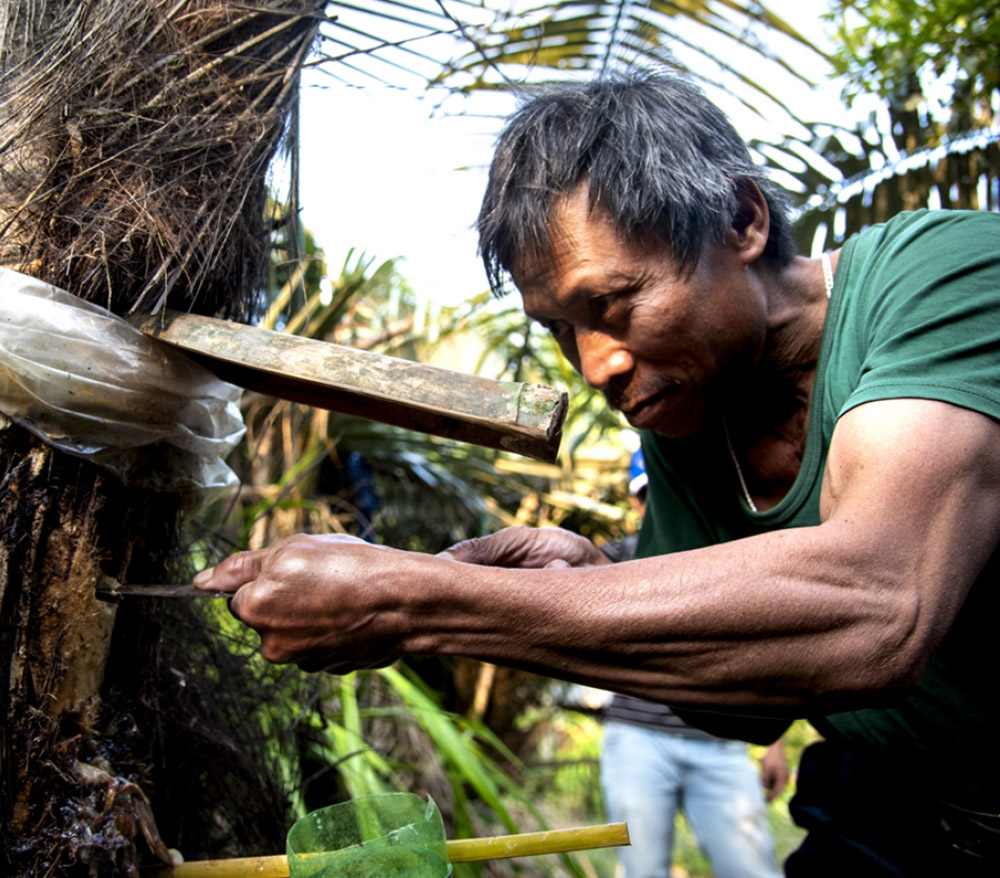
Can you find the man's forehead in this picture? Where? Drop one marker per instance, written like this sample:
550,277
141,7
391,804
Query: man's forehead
573,222
582,239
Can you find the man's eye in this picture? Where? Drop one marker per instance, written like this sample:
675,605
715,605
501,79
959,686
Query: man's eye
556,328
602,304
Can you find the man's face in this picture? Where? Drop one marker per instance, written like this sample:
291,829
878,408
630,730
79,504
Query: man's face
663,348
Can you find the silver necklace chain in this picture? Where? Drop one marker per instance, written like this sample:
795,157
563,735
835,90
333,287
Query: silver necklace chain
739,472
828,283
827,273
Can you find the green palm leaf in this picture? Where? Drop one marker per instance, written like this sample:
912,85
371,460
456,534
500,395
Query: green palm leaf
363,771
451,744
555,39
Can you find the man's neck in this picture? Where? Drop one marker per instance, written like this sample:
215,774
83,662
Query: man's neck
768,418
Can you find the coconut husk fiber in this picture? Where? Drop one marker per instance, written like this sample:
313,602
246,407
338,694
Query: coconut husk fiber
135,138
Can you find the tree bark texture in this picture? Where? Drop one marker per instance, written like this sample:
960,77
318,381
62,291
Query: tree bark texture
74,754
135,138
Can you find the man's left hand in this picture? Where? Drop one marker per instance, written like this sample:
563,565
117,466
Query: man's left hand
529,547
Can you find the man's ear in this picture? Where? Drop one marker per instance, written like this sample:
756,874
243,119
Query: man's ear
752,221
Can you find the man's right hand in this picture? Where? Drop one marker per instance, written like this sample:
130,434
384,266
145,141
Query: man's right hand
529,547
331,600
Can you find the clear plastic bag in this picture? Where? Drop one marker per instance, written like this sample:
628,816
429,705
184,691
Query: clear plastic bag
89,384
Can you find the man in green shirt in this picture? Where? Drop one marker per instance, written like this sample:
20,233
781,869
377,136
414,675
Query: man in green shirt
823,451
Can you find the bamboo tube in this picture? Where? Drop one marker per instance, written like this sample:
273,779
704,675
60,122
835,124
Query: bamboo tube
526,419
465,850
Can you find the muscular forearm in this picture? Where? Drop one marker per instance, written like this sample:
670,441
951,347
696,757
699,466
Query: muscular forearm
813,627
689,629
839,615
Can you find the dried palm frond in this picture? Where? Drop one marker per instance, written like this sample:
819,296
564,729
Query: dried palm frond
135,139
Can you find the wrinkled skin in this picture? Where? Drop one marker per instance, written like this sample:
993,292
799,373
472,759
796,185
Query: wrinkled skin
529,547
273,591
664,348
272,587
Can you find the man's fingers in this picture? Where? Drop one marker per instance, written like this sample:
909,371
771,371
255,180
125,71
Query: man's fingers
232,573
516,546
528,547
484,551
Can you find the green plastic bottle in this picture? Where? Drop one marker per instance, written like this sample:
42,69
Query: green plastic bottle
389,834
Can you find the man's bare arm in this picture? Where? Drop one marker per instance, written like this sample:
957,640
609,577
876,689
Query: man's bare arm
826,617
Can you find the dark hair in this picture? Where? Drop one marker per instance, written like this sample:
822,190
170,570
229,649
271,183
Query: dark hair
660,158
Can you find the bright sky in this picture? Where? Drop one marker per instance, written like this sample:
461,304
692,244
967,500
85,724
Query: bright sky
381,175
382,172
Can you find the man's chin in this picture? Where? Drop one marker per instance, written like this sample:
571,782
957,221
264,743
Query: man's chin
673,430
672,426
667,415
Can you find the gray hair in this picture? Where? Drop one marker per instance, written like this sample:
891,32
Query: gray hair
661,159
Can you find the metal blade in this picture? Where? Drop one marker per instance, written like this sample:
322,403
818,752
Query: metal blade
107,591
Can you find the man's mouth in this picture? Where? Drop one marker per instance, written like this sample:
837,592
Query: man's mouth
634,411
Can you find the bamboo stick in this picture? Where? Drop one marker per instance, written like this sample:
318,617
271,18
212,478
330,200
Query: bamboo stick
526,419
530,844
465,850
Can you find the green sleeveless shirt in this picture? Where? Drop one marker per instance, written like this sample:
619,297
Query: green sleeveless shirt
915,312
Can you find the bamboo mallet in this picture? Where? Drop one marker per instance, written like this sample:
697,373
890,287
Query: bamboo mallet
464,850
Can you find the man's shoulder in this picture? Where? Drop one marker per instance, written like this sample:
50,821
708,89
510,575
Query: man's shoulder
914,228
908,220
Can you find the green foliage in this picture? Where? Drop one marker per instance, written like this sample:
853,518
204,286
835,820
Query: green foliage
903,50
561,38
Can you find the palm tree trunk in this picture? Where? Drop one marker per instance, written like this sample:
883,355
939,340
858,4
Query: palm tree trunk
135,136
71,781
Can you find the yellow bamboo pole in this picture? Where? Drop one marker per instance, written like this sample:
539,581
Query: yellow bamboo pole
464,850
530,844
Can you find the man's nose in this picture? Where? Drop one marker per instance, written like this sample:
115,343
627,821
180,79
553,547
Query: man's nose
602,358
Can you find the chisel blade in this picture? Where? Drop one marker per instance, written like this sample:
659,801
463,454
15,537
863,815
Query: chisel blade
109,589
